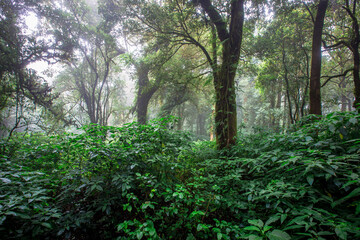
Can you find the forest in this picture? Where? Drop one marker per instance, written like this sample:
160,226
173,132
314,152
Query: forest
180,119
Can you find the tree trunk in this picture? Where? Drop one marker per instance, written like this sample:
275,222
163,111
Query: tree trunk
224,75
145,92
142,108
225,106
356,77
315,95
354,47
355,41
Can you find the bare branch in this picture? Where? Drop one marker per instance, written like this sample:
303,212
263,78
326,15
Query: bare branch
308,9
216,18
336,76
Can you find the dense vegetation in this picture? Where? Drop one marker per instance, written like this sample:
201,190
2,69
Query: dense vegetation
151,182
258,147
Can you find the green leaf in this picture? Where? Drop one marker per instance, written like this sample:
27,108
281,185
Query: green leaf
23,215
267,228
201,226
152,231
354,193
2,219
353,120
219,236
271,220
98,187
5,180
195,213
139,235
255,237
332,128
325,233
216,230
48,225
310,179
258,222
252,228
341,233
278,235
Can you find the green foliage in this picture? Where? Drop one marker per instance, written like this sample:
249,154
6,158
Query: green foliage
149,182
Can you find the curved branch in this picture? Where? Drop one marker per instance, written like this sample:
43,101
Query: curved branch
308,9
216,18
335,76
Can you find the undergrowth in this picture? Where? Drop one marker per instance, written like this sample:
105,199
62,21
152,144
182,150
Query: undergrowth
148,182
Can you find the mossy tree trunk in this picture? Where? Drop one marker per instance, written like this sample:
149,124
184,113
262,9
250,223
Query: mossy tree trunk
224,73
146,90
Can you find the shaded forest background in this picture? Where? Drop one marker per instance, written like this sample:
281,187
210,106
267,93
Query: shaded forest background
112,62
176,119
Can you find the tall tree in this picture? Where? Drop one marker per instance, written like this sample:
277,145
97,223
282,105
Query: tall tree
183,23
350,38
230,36
284,54
18,48
145,91
315,85
93,61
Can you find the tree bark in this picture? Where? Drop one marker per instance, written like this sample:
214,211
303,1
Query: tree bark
354,47
224,75
356,77
315,94
145,91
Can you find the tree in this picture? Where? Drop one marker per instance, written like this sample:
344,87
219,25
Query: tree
315,85
20,85
91,66
224,74
282,62
351,41
180,22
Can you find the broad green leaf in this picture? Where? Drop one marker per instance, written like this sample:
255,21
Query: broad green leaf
23,216
332,128
271,220
258,222
255,237
252,228
5,180
267,228
216,230
196,213
48,225
310,179
278,235
201,226
139,235
353,120
152,231
341,233
2,219
283,217
354,193
325,233
98,187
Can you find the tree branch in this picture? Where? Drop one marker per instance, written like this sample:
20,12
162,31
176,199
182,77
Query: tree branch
216,18
308,9
335,76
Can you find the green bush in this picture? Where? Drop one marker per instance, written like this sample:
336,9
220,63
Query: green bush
149,182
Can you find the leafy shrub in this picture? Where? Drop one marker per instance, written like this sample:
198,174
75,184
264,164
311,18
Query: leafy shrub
148,182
